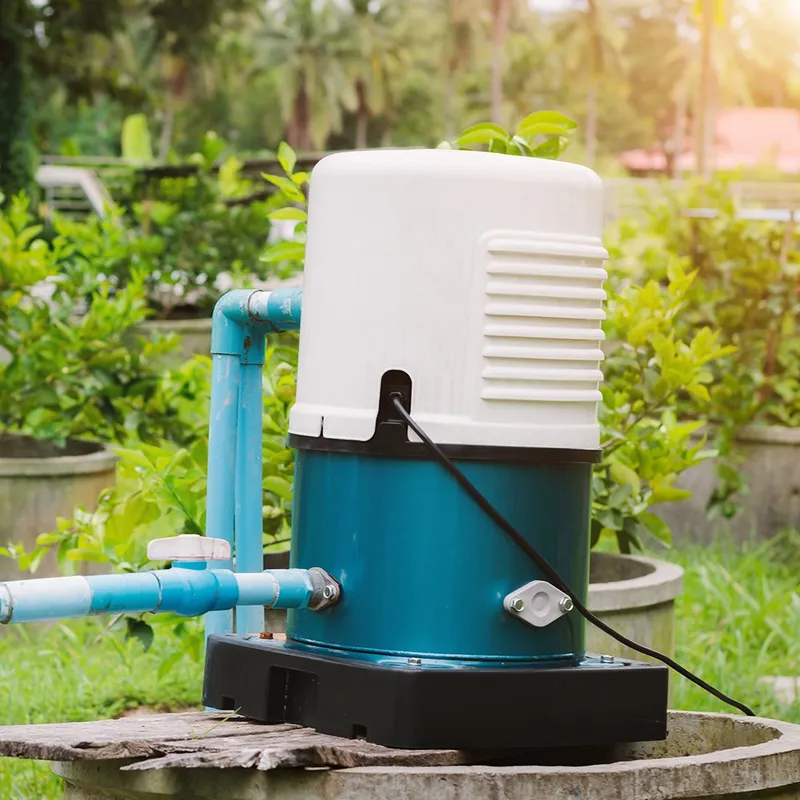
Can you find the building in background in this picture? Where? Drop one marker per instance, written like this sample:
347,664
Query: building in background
744,139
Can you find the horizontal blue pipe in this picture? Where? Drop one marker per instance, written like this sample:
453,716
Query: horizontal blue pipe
187,591
293,590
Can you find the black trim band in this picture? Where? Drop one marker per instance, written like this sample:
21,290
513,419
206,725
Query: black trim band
459,452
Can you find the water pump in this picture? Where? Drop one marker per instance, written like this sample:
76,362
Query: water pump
451,317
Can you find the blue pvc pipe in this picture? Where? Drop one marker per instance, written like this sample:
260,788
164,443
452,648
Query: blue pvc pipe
248,489
293,589
186,591
280,310
241,321
220,499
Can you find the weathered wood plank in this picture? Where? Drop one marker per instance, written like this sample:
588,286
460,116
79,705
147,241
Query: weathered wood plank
199,739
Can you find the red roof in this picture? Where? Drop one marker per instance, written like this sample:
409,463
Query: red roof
745,137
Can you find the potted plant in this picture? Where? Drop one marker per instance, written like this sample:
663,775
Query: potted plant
72,380
747,288
201,229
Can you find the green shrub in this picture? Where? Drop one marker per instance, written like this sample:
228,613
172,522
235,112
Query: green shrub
195,227
649,370
747,289
161,488
74,366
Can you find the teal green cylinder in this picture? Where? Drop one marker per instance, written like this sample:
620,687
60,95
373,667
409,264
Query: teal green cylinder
423,570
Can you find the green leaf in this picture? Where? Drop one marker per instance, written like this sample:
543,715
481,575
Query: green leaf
287,157
134,457
610,518
168,663
554,119
290,213
284,251
139,629
84,554
483,133
665,492
656,526
278,486
49,539
287,186
698,391
625,475
549,149
136,144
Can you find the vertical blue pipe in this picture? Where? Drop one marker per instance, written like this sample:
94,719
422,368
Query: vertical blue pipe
220,497
249,493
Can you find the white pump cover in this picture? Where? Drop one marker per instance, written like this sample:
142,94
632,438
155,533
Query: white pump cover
478,274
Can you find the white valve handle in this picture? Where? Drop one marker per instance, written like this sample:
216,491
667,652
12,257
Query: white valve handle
189,547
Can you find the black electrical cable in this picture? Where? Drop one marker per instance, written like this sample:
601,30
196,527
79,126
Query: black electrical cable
549,572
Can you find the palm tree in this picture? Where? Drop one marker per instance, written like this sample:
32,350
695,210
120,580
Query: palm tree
593,45
459,19
309,49
706,11
500,14
380,52
722,67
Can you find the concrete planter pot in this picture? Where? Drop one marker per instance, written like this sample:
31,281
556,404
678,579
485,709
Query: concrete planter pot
771,504
636,596
195,334
712,756
39,482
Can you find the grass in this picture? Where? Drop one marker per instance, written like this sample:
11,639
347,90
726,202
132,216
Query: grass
739,619
81,671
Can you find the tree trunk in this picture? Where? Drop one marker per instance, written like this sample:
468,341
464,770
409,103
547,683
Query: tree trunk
165,141
450,105
298,131
681,102
17,154
499,29
703,133
711,125
388,130
362,116
591,124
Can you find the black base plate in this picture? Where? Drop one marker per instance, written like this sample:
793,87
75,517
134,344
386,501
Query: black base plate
418,707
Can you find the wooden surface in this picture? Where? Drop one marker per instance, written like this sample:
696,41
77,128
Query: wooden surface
209,739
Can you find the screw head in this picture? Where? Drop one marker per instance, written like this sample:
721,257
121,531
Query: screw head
517,604
605,659
414,662
566,605
329,592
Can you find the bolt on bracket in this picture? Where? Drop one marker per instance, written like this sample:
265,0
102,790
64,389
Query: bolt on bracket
538,603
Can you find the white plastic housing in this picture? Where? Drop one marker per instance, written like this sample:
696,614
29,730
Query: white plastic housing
478,274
